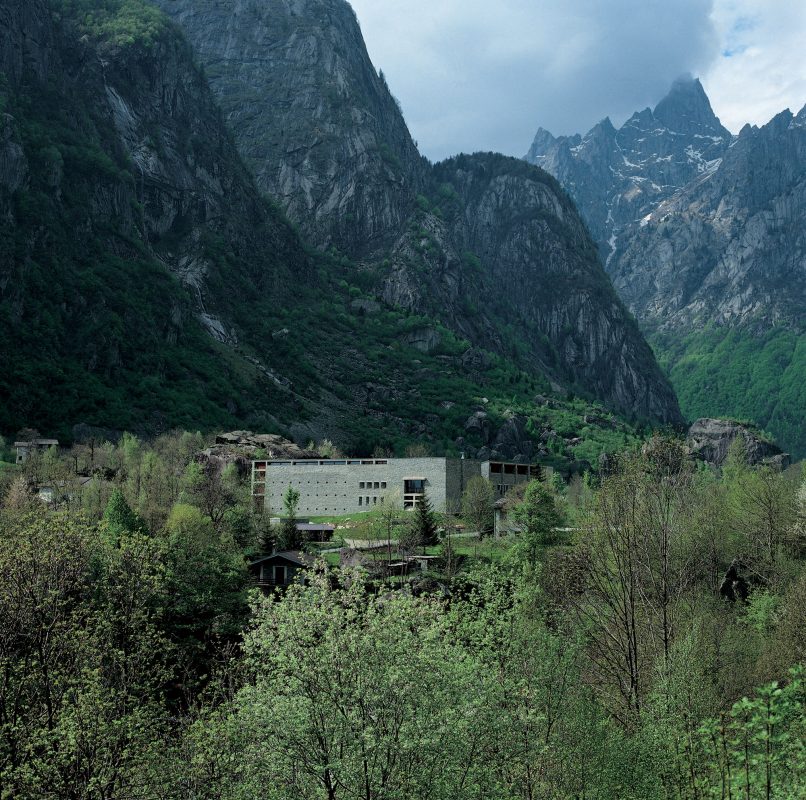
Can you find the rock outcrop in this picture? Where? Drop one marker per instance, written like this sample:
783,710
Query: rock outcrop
710,440
242,447
314,121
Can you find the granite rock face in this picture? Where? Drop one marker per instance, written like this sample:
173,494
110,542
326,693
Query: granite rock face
152,108
314,121
489,246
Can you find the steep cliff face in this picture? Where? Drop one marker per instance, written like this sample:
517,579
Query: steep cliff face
702,235
493,249
728,247
504,256
313,119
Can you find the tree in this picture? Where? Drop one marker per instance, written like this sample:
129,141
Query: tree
19,496
83,660
214,489
424,524
537,517
288,535
638,565
477,505
353,697
119,517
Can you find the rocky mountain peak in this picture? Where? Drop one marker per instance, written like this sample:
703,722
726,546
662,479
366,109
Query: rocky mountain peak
687,109
543,141
701,234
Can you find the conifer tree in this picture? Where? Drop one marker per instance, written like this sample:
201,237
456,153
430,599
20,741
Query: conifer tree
424,524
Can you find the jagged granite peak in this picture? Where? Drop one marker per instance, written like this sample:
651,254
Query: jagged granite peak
313,119
327,140
687,109
618,176
542,143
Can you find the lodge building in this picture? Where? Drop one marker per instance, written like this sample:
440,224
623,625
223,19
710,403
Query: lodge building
354,486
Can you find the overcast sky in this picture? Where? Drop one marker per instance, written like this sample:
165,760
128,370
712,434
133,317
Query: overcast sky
485,74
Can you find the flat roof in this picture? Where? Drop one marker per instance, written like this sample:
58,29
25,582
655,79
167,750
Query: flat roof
369,462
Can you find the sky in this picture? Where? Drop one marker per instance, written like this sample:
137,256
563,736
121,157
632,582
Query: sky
485,74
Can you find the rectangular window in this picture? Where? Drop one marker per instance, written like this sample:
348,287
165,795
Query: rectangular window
383,484
361,485
361,501
374,500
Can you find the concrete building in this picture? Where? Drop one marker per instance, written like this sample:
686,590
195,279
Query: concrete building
26,449
354,486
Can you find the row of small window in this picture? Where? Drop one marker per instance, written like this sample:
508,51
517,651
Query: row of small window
371,485
365,501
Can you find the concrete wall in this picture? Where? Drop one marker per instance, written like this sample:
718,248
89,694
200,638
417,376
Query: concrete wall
503,476
335,486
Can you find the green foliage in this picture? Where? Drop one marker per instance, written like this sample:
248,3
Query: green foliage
477,505
537,517
610,670
123,23
424,523
119,517
737,372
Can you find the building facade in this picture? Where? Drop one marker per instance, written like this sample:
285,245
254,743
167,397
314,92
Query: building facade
354,486
26,450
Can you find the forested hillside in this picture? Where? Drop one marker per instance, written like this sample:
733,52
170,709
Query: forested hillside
145,283
636,638
490,247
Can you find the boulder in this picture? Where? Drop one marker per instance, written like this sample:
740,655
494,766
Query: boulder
513,442
426,340
242,447
709,440
477,360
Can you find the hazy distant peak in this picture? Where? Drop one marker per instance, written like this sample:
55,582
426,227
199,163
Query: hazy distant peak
543,142
687,109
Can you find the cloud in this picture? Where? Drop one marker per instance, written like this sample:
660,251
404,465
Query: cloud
475,75
761,69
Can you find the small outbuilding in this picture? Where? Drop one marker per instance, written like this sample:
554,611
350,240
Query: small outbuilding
280,570
316,532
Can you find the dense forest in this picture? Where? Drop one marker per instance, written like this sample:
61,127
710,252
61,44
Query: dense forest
641,635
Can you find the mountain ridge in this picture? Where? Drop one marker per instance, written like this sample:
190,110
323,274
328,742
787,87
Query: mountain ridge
415,260
700,233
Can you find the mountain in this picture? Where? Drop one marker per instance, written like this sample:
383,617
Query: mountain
488,246
146,282
702,236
